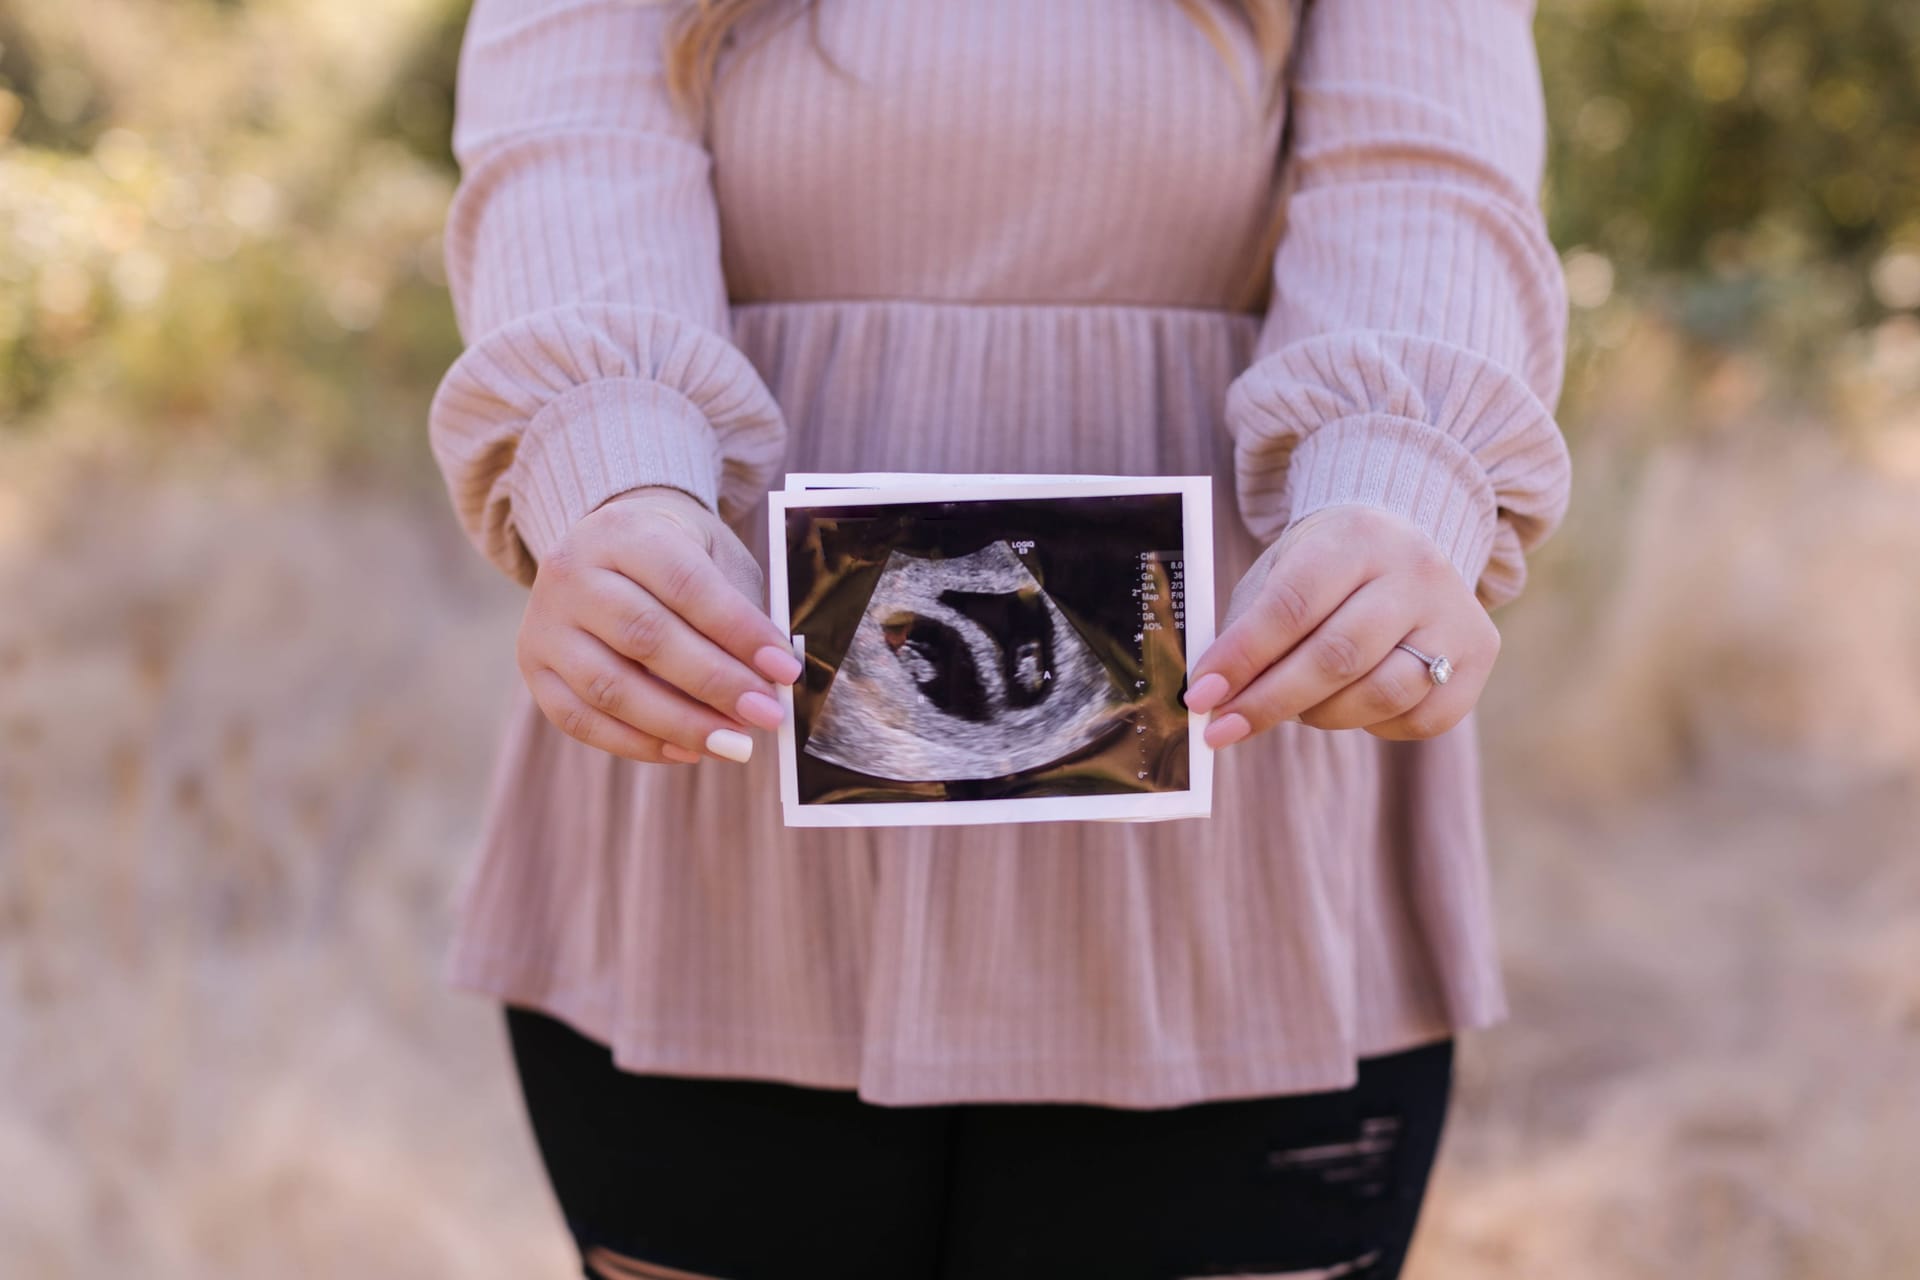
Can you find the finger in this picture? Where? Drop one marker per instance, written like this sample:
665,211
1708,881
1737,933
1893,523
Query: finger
1309,580
633,623
683,575
1438,712
1477,642
1448,704
1346,646
1397,684
577,720
617,687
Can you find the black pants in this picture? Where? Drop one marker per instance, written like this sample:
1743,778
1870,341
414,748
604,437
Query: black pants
760,1180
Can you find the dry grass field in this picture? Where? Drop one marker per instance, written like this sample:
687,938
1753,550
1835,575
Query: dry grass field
246,716
250,673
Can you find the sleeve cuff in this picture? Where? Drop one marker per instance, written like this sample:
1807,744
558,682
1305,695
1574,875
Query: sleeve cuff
600,439
1396,464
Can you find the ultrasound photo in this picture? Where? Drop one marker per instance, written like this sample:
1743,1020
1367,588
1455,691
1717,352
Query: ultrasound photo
992,652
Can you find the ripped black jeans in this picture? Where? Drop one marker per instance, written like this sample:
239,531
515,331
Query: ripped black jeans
681,1178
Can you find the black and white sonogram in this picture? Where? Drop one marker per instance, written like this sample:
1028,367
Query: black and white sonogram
962,668
987,649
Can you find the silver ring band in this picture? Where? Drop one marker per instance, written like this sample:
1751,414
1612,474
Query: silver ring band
1439,670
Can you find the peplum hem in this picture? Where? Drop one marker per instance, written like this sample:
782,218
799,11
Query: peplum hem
1335,907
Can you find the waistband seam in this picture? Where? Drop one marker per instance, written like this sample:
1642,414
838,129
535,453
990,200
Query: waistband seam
1183,310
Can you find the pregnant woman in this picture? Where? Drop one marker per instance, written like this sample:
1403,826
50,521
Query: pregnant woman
1294,246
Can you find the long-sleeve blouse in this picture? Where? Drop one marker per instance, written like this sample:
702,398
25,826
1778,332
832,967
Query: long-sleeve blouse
1007,236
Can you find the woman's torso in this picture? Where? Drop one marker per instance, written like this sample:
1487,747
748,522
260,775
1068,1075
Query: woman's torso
997,151
1012,237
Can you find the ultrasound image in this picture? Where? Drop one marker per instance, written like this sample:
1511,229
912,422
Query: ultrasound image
962,669
989,648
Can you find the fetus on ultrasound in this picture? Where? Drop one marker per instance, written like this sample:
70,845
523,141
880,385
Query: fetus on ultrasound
963,668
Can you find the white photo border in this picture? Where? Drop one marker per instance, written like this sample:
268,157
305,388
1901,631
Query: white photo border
1196,509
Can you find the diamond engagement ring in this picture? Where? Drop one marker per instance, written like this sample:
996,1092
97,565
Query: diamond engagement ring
1438,669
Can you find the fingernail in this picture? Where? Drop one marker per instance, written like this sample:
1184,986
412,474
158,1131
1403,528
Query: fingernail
757,708
1206,692
777,664
1227,730
674,751
730,744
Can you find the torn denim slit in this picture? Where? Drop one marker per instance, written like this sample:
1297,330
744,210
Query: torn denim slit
1363,1164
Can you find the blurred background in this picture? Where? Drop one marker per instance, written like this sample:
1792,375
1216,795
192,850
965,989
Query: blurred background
250,673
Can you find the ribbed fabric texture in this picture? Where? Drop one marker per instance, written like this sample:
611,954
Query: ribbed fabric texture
1001,236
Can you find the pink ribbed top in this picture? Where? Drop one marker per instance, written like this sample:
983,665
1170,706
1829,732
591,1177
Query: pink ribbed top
1003,235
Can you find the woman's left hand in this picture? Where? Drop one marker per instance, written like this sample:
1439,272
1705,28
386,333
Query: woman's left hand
1312,628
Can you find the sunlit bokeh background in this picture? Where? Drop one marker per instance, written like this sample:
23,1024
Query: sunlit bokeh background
249,672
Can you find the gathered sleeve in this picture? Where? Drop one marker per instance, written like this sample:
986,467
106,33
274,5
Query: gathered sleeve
583,256
1413,348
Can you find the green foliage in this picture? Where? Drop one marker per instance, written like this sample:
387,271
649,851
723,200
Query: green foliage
241,236
1750,163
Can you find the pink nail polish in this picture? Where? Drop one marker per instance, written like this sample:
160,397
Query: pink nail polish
1227,730
1206,692
777,664
758,709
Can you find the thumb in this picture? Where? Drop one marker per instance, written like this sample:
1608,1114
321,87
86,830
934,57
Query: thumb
738,566
704,526
1247,590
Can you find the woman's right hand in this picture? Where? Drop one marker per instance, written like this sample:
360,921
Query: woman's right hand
643,636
